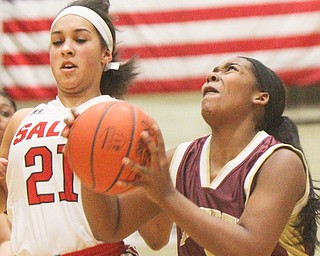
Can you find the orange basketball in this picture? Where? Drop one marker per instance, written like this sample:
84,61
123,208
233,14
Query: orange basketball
99,139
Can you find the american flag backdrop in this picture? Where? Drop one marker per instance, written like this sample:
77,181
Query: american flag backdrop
177,41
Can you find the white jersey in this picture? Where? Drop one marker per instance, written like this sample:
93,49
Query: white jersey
44,200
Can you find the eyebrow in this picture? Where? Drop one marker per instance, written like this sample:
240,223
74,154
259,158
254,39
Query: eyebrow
76,31
5,105
226,65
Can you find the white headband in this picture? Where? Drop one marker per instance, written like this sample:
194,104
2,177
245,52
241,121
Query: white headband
91,16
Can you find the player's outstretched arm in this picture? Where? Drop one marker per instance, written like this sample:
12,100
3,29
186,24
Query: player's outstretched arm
156,233
113,218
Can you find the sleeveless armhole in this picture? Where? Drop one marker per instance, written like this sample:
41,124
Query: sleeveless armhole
254,170
176,160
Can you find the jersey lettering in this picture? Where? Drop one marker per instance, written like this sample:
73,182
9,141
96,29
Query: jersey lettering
37,130
67,194
21,134
215,213
45,173
51,131
40,130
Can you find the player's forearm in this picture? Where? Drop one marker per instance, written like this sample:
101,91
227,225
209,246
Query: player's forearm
217,236
156,233
102,214
113,218
135,210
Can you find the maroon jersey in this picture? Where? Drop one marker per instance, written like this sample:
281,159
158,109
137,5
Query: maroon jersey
225,197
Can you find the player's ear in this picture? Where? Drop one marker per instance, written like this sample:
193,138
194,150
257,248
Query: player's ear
106,56
261,98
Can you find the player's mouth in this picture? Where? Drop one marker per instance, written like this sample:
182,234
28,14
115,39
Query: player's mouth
68,66
210,90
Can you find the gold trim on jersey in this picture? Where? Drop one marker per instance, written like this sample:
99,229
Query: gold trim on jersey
290,239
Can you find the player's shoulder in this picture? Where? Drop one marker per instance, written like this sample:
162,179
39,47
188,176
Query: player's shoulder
12,127
285,164
19,115
22,112
286,156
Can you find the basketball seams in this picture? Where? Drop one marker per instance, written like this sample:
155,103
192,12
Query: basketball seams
93,186
100,138
133,129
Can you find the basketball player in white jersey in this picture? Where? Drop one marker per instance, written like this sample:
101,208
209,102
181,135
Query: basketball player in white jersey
40,193
245,189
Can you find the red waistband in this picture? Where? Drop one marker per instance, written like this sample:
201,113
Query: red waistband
106,249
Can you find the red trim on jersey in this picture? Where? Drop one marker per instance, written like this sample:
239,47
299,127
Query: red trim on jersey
106,249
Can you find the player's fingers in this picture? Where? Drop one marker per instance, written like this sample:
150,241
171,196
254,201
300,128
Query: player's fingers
159,138
155,153
149,141
135,167
161,151
129,163
124,184
69,121
4,161
65,132
155,144
132,183
74,113
139,182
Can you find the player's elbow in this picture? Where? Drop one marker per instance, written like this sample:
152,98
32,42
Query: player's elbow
110,235
156,246
156,242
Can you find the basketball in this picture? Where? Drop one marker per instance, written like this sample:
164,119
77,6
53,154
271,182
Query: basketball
99,139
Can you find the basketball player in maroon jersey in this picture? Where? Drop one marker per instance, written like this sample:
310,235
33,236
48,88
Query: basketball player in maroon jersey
245,189
250,171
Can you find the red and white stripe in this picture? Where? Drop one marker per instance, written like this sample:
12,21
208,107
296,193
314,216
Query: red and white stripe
178,41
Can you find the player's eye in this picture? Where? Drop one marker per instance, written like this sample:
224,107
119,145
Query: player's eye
5,113
232,67
81,40
56,42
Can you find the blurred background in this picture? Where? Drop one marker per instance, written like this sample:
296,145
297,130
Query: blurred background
177,43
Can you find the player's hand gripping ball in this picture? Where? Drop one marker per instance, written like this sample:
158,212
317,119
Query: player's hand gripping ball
99,139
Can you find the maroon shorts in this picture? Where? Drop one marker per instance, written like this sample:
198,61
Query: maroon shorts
106,249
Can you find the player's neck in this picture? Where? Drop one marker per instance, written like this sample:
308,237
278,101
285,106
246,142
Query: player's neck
226,146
